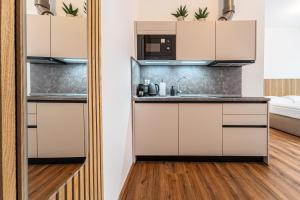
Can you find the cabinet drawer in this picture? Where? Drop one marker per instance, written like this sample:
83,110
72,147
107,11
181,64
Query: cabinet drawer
32,143
245,109
245,141
245,120
32,119
31,109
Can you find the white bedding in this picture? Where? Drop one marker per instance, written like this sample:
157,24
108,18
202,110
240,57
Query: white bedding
287,106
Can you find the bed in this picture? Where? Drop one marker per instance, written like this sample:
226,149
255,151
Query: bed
285,114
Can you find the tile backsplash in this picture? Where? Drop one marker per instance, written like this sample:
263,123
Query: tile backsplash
195,79
50,78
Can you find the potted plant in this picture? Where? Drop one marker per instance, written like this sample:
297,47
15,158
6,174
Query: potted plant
201,15
69,10
181,13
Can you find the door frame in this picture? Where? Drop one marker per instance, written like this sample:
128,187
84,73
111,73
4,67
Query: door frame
13,162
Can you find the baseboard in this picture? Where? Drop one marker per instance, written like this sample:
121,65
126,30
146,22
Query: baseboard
126,183
42,161
201,158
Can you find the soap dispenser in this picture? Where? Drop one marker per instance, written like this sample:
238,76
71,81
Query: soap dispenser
162,88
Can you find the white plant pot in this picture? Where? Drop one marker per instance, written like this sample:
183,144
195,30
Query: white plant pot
201,20
69,15
180,18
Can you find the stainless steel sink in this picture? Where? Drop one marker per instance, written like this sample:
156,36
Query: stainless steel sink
208,96
196,96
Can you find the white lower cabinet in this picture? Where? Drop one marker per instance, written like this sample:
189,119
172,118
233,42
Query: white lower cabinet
245,141
60,130
156,129
32,143
200,129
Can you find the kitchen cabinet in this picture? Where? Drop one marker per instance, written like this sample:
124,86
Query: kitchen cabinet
68,37
156,129
38,35
245,129
200,129
32,143
196,40
236,40
61,130
245,141
155,28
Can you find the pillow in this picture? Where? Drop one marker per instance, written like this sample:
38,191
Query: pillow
294,99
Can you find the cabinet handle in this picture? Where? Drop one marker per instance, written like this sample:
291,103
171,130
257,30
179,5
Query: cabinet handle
32,126
245,126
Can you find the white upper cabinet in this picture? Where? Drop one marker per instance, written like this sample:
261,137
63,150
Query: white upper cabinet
38,35
235,40
155,28
196,40
68,37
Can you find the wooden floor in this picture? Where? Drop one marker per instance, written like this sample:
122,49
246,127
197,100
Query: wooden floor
189,181
44,180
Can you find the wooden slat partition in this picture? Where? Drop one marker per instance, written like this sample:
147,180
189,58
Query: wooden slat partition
282,87
86,184
8,155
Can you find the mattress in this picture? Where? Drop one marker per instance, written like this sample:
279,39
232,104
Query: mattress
286,106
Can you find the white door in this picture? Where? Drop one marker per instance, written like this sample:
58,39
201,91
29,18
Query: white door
60,129
200,129
156,129
68,37
195,40
38,35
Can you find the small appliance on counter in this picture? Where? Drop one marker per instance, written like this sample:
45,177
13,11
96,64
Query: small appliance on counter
153,89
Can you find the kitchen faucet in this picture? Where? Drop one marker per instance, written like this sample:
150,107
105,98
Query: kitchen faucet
178,84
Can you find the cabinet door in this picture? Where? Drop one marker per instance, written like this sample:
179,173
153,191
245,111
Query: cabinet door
68,37
235,40
38,35
32,143
60,129
200,129
245,141
195,40
156,129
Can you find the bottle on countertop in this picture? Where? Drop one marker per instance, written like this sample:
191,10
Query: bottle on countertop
172,91
162,88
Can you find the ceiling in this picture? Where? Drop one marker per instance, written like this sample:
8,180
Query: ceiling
282,13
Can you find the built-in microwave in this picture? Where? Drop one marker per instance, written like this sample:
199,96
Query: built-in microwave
156,47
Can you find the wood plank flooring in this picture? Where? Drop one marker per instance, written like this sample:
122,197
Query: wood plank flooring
45,180
189,181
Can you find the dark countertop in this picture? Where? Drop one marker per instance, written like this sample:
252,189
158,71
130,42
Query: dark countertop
202,99
59,98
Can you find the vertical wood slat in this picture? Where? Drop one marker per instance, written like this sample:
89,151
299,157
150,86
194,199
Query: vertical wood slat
86,184
8,154
282,87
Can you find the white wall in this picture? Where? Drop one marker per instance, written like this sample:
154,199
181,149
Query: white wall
282,39
117,48
282,53
255,10
56,7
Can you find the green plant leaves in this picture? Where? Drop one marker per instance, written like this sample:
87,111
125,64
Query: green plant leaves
181,12
69,9
201,14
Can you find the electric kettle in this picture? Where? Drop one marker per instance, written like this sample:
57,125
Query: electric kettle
153,89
